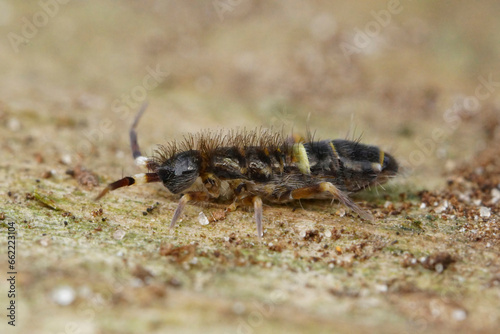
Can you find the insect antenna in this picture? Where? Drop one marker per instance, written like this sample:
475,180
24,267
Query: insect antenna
136,151
128,181
140,160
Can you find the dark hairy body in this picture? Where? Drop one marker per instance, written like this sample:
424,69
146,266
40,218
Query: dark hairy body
252,166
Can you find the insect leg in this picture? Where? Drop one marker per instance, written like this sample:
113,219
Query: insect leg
257,207
308,192
128,181
140,160
212,184
248,200
196,196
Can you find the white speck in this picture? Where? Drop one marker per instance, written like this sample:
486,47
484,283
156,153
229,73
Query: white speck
202,219
66,159
488,245
439,268
194,260
226,239
331,266
141,161
464,197
328,234
302,234
442,207
120,253
387,204
63,295
495,195
119,234
484,212
377,167
477,202
459,314
340,212
382,288
270,244
423,205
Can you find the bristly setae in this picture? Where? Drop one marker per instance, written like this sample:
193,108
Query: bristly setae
252,166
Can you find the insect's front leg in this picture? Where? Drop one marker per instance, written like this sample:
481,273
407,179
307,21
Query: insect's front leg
328,187
212,190
194,196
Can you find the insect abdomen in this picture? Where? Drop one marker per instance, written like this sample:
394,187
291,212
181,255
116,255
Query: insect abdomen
254,163
350,165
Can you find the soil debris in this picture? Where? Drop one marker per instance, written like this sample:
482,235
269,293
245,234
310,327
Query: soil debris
85,178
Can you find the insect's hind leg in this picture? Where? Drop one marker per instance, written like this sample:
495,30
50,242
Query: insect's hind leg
140,160
308,192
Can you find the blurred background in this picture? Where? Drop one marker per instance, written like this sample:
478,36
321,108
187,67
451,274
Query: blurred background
388,71
421,79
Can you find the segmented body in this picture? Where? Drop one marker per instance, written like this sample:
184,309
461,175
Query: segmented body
272,172
261,165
